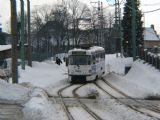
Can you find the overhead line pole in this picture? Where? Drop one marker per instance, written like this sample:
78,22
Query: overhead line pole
14,33
117,25
29,35
133,30
22,36
121,33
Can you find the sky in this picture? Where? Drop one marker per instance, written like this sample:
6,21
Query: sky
146,5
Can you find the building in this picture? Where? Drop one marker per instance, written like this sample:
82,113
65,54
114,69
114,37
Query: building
151,38
5,38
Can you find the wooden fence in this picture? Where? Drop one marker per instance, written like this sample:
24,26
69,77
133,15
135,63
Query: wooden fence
152,58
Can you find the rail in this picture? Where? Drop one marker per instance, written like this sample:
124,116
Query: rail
144,111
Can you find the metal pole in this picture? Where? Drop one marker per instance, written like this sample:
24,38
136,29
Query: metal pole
29,36
117,25
22,35
133,30
14,33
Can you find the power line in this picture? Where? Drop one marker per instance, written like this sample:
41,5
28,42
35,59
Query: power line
154,4
145,11
152,10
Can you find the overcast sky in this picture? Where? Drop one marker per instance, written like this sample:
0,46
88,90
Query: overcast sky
146,5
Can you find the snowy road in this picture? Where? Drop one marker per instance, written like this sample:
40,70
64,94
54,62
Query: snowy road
10,112
110,104
128,98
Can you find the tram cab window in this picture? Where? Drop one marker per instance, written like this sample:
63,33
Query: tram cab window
79,60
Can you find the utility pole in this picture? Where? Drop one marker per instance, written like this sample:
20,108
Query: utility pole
100,23
102,26
133,30
121,33
29,35
100,40
117,26
14,41
22,35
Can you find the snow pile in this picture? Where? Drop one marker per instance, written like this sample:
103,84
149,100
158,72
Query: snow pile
43,74
145,77
117,65
13,93
5,47
39,107
141,81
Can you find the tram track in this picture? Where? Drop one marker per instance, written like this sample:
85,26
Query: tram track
77,98
151,107
142,110
64,106
96,117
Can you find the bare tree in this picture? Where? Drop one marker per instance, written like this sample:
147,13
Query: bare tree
79,12
62,20
39,17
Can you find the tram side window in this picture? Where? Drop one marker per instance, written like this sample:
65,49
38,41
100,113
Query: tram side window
98,57
102,56
89,60
93,59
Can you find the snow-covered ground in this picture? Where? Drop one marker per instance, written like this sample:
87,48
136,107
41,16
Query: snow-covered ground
46,78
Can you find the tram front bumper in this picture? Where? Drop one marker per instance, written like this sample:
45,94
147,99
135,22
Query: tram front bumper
81,77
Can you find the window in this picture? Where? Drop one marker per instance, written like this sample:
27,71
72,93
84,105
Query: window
93,59
79,60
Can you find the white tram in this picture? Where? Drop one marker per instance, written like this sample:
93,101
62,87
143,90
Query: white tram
86,64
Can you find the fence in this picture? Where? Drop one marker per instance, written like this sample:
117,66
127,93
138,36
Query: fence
152,58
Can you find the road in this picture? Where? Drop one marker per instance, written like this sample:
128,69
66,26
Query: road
103,101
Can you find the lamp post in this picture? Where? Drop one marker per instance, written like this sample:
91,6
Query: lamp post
22,35
14,41
29,36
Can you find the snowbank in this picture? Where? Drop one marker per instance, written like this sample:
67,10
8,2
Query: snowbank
39,107
145,77
43,74
117,65
13,93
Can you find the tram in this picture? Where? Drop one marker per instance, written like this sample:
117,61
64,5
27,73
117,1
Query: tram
86,64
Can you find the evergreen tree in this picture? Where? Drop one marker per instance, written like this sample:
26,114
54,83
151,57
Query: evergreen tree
127,27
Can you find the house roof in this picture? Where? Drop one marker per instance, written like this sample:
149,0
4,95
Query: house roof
150,34
5,47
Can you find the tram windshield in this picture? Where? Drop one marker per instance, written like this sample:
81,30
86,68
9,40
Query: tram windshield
79,60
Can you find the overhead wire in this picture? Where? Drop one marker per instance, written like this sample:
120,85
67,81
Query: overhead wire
152,10
123,2
144,11
154,4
